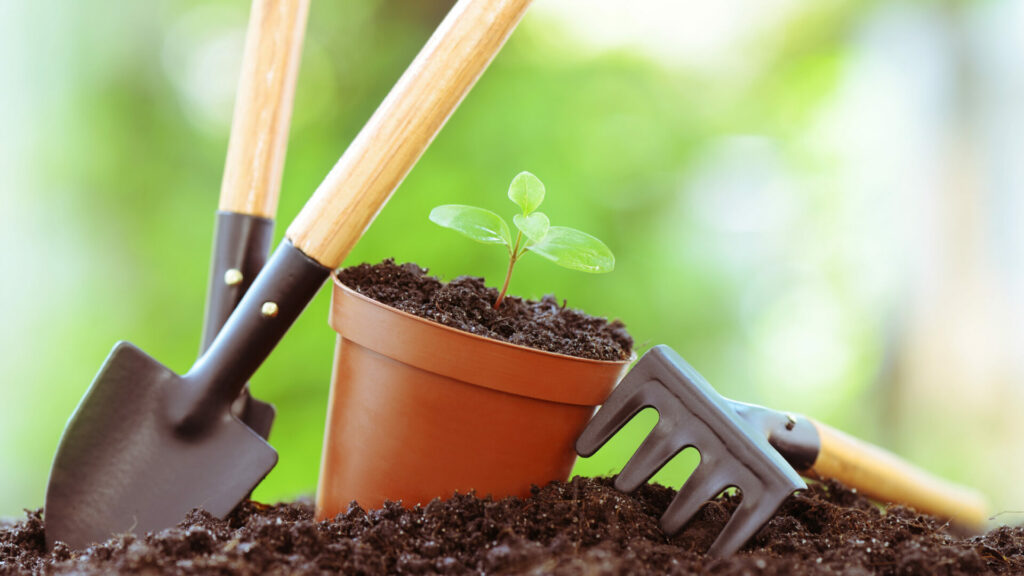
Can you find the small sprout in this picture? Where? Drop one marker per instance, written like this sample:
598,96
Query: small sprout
567,247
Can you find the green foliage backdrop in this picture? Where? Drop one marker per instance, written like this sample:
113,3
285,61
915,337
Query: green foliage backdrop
128,154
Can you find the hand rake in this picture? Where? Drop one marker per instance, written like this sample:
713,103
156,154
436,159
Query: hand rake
755,449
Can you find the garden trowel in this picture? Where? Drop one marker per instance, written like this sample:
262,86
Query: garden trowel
757,450
146,445
252,174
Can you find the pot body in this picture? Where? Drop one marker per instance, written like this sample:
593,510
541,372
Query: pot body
418,410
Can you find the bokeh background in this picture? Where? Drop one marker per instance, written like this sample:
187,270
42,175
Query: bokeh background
818,204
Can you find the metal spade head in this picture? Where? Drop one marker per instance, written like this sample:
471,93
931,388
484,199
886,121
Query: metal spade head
692,414
145,446
122,467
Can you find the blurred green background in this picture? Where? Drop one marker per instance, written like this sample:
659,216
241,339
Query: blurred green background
818,204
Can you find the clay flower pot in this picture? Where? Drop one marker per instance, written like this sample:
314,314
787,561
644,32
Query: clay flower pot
419,410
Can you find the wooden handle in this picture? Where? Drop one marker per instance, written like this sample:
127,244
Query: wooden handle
263,107
402,127
883,476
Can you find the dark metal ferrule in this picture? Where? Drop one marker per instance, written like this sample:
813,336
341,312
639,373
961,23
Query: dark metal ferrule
287,283
241,244
793,436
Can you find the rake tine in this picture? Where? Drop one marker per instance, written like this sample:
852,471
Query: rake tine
658,448
733,440
748,518
702,486
625,402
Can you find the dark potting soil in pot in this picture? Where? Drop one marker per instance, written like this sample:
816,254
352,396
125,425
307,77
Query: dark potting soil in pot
578,527
467,304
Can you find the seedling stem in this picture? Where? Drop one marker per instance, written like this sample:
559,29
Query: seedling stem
513,256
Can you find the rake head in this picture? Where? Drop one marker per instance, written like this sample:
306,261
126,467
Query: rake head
692,414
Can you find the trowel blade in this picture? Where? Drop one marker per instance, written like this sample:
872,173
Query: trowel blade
121,466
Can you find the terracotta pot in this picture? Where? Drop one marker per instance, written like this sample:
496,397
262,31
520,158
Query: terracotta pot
419,410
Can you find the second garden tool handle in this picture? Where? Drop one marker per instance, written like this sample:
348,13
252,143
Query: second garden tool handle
402,127
263,107
882,475
252,173
256,151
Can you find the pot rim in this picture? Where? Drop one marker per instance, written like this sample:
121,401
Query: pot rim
462,333
471,358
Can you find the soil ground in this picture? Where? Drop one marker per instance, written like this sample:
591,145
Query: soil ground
467,303
578,527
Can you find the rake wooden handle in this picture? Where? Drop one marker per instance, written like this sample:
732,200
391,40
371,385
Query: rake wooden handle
263,107
883,476
402,127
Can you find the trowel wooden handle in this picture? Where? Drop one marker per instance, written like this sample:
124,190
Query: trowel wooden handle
883,476
263,107
402,127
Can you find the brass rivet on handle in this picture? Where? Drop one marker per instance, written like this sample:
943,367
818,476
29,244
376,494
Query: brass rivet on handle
269,309
233,277
790,421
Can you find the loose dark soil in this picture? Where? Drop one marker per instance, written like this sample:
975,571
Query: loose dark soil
467,303
578,527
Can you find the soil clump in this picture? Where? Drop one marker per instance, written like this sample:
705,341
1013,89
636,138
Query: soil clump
467,304
579,527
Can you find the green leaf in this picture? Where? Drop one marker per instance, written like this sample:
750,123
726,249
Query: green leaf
476,223
573,249
527,191
534,226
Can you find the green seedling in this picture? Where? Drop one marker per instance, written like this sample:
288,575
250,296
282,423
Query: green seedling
567,247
